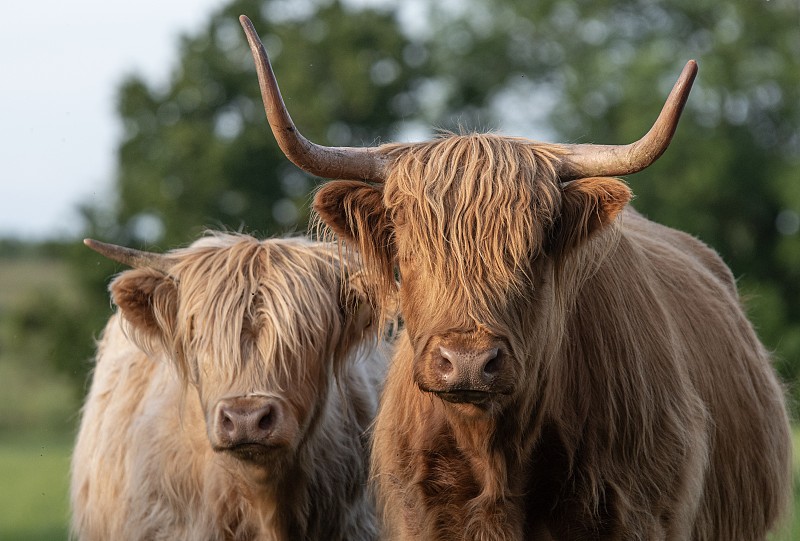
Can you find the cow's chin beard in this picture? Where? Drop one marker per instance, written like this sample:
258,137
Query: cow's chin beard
466,396
468,403
253,453
269,460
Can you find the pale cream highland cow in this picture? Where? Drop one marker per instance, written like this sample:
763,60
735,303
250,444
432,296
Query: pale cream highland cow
231,398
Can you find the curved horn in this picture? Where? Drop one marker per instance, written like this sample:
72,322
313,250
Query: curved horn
612,160
328,162
130,257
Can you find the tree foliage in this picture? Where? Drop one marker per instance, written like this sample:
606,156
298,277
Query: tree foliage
197,151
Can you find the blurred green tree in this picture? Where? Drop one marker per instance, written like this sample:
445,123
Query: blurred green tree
199,152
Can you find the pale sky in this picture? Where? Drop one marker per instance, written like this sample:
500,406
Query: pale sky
61,63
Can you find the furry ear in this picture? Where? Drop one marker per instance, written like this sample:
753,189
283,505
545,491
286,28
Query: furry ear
588,205
361,310
355,212
148,300
357,316
352,209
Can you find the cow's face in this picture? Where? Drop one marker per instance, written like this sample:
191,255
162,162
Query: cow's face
475,225
256,328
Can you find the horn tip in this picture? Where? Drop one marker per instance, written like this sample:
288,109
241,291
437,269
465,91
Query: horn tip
250,33
246,23
101,248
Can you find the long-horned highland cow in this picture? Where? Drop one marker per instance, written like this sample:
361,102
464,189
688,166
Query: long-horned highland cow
231,397
568,369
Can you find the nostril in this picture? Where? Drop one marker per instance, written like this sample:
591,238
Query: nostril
227,422
442,366
493,363
266,420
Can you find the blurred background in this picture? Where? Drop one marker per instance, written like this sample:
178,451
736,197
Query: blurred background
185,146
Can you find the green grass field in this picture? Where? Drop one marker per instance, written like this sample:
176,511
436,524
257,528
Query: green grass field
791,530
20,276
34,476
38,408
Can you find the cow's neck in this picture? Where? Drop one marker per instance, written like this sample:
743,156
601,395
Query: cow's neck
467,468
482,454
500,448
325,458
290,496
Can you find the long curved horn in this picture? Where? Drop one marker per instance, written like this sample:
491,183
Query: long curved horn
328,162
612,160
130,257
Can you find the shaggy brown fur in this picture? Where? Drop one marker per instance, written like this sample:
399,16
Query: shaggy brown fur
644,406
235,317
